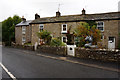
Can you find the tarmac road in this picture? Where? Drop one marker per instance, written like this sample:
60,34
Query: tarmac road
26,64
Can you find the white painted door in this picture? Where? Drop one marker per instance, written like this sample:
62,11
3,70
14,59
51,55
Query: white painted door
111,43
71,50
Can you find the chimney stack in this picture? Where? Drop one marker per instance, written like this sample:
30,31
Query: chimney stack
83,12
23,19
58,14
37,16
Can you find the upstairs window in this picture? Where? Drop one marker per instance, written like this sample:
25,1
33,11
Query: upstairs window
64,28
41,27
100,26
23,29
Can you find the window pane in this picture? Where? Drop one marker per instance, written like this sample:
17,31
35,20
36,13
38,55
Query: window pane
41,27
23,28
64,27
100,28
64,39
23,39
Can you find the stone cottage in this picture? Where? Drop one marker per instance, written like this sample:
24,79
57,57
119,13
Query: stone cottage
23,32
59,26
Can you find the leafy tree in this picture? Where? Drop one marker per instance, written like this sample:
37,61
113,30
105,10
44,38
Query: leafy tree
8,29
45,35
83,30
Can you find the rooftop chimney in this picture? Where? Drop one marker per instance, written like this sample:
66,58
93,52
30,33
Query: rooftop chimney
37,16
83,12
23,19
58,14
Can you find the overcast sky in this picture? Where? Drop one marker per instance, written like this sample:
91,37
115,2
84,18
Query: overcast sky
48,8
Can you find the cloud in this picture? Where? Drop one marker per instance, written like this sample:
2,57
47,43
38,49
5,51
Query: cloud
48,8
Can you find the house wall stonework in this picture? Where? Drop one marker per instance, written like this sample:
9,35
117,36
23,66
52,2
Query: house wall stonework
18,35
54,25
110,30
54,28
34,37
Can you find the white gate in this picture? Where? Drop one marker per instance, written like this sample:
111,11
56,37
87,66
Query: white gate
71,50
111,43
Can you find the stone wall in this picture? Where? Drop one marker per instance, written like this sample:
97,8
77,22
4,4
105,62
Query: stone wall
24,47
52,50
104,55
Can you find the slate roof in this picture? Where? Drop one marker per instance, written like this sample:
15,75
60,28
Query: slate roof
26,23
80,17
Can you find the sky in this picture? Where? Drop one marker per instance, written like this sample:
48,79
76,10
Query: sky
48,8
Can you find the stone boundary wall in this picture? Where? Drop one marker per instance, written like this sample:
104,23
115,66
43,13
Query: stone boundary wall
24,47
96,54
52,50
104,55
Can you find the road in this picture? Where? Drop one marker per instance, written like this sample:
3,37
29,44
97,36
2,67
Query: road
26,64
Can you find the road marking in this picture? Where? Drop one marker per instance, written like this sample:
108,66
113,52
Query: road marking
76,62
11,75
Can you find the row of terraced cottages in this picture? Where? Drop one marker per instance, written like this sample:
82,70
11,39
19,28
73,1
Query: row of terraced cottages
108,23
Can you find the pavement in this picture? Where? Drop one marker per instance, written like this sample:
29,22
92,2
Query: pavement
30,64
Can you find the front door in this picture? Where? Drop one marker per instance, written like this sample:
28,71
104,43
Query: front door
111,43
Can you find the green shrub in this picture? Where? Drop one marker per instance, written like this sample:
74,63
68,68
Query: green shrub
45,35
56,42
28,44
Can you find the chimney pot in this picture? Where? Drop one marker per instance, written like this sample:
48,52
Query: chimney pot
58,14
37,16
23,19
83,11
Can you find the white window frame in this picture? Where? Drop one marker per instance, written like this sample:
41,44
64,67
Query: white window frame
23,40
98,26
40,27
62,29
65,37
23,29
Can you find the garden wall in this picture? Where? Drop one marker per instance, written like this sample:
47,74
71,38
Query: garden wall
24,47
52,50
104,55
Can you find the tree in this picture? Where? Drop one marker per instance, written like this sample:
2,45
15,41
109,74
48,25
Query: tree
45,35
8,29
83,30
